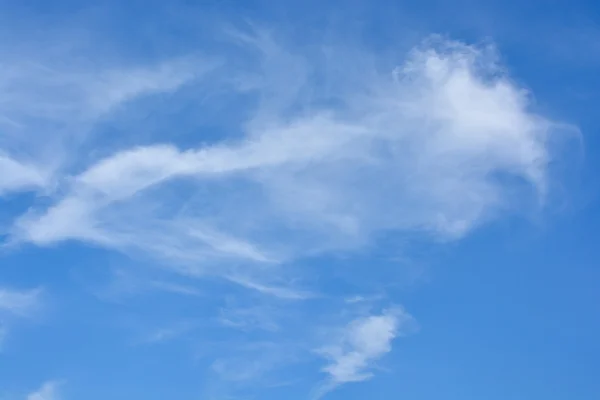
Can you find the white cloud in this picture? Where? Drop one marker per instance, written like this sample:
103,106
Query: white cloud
115,87
49,105
250,364
48,391
249,318
125,283
169,333
16,304
19,302
359,345
17,176
426,147
63,91
281,292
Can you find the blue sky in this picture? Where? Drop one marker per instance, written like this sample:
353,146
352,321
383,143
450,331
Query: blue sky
247,200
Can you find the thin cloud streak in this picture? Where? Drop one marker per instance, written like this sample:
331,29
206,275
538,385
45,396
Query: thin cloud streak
21,303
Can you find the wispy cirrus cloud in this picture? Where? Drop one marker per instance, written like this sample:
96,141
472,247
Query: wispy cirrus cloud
19,302
16,304
50,104
17,176
125,283
64,92
48,391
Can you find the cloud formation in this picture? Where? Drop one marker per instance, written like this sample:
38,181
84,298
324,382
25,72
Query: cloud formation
48,391
361,343
17,176
18,302
437,146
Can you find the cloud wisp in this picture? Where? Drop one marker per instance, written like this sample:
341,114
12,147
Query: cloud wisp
48,391
16,304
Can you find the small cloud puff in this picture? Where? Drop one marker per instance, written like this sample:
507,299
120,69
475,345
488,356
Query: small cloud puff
360,344
48,391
